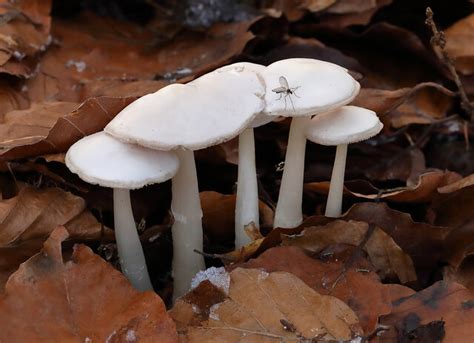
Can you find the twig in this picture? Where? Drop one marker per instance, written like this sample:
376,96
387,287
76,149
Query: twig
438,42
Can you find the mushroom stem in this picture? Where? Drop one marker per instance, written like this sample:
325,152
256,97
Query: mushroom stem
246,207
187,227
288,212
334,202
132,259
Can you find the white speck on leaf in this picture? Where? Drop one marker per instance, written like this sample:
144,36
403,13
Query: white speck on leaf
131,337
219,277
80,65
212,312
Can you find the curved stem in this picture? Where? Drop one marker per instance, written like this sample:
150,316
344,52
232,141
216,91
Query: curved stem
130,251
288,212
336,188
246,206
187,227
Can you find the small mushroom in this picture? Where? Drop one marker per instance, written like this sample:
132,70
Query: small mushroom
186,118
340,127
301,88
101,159
246,204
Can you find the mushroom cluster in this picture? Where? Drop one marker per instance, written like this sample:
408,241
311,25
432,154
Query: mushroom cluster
145,141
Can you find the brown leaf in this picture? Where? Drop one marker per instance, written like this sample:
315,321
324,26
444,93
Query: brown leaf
51,300
35,213
27,219
422,242
423,191
96,53
11,99
261,305
423,104
219,213
459,38
358,286
383,252
56,126
454,207
24,33
446,301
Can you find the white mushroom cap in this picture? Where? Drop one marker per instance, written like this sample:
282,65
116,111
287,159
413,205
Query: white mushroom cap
318,86
103,160
345,125
210,110
261,118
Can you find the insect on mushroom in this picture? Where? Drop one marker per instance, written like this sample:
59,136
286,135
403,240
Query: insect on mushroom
285,90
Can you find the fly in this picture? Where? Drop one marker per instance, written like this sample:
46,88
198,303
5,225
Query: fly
285,91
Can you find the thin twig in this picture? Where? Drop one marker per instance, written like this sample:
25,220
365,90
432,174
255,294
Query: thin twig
438,42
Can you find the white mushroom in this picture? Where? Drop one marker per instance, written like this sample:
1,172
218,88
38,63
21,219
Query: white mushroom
190,117
246,205
300,88
101,159
340,127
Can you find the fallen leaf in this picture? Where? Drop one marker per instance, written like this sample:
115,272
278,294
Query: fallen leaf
421,241
219,213
448,302
358,285
267,307
387,257
27,219
423,191
35,213
96,52
24,33
459,38
57,126
454,207
422,104
52,301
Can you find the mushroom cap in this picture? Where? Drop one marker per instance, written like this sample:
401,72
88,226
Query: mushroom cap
103,160
210,110
317,87
261,118
344,125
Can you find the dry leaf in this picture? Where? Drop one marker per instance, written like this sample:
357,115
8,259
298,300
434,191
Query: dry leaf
423,191
219,213
27,219
454,207
35,213
444,301
383,252
83,299
358,285
422,242
423,104
96,53
58,126
260,306
23,34
459,38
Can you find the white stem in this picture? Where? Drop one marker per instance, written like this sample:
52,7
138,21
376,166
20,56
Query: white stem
336,188
187,227
288,212
130,251
246,206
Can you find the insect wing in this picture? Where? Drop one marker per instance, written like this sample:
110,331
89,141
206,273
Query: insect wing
279,90
284,82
